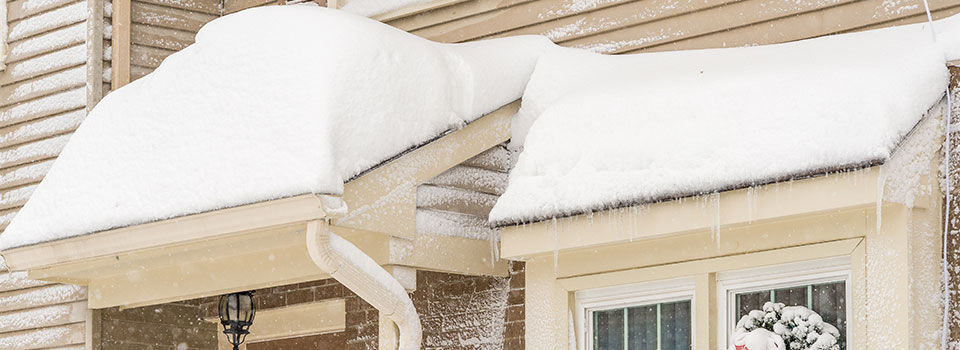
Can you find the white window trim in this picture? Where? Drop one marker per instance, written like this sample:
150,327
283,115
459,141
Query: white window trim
775,277
627,295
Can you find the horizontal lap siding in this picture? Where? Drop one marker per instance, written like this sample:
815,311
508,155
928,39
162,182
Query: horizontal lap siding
43,99
237,5
159,28
626,26
43,93
457,202
40,315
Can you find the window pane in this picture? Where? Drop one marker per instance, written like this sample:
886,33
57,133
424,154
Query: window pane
642,327
670,322
796,296
829,300
750,301
608,329
675,326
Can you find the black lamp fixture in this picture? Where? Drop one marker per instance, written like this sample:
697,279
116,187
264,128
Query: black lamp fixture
236,316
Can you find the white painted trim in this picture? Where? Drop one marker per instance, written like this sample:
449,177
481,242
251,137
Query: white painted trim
730,283
635,294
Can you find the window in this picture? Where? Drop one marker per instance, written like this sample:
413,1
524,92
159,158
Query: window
645,327
646,316
818,285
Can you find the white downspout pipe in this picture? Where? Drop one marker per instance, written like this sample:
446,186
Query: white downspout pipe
362,275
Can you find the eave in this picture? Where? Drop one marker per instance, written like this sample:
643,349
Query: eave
777,202
263,244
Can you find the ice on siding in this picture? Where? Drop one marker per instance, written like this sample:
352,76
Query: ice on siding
453,224
377,7
621,130
498,157
43,296
261,108
907,175
33,318
479,179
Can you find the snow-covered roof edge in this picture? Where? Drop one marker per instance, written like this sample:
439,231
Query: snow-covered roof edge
203,154
795,177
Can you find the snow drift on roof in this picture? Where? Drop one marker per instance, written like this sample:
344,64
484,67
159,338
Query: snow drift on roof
268,103
620,130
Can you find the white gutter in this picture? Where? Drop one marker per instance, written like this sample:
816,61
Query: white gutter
362,275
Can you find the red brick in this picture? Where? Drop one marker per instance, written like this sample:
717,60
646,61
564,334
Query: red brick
299,296
515,297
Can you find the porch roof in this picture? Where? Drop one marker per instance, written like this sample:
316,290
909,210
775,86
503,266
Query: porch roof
626,130
259,109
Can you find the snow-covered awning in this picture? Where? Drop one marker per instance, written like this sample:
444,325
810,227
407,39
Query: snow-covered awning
268,103
626,130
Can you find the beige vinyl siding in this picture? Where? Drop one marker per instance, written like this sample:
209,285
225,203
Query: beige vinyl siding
232,6
44,95
459,199
158,29
623,26
35,314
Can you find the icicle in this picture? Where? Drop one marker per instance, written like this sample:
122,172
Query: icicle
494,237
590,221
715,227
879,213
756,202
752,197
556,247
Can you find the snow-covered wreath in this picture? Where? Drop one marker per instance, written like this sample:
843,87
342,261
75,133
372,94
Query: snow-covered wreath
778,326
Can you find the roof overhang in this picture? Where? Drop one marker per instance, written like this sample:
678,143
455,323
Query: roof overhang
819,207
263,244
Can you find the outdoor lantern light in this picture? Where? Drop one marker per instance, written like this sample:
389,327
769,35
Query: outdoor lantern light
236,316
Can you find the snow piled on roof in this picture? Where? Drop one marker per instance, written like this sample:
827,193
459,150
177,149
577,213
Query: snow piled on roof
622,130
262,107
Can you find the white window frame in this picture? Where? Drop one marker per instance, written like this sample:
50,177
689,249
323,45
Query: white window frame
628,295
731,283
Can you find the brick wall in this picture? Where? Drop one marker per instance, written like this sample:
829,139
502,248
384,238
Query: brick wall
953,212
457,312
172,326
471,312
513,336
362,324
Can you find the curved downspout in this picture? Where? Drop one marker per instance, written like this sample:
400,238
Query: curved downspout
362,275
